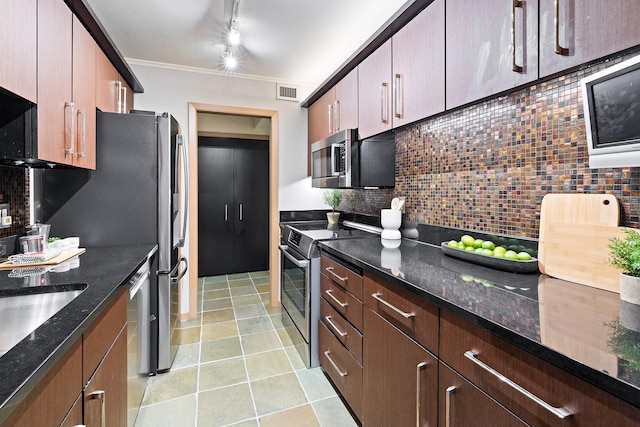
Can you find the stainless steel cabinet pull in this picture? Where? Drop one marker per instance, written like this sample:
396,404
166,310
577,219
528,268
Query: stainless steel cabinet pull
384,96
330,271
398,101
451,390
119,89
515,67
340,303
100,395
83,133
72,128
124,99
334,326
556,22
330,118
419,368
241,217
558,412
226,213
336,115
392,307
341,373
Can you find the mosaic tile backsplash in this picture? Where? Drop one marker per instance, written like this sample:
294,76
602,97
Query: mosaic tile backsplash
14,189
486,167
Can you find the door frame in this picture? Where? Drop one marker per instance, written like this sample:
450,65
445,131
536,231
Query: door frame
274,215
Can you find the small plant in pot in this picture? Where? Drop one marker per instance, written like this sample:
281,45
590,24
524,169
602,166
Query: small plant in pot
624,254
333,198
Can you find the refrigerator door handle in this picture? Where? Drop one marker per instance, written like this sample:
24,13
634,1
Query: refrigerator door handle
185,193
176,279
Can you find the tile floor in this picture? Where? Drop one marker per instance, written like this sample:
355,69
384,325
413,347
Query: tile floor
236,366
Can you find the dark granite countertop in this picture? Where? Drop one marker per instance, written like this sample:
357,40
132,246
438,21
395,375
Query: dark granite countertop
569,325
103,270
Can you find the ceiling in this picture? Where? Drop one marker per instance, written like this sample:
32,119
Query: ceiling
289,41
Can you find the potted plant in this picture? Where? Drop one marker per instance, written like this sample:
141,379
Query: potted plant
333,198
624,254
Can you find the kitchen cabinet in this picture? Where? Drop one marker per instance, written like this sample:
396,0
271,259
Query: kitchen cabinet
233,205
336,110
586,30
460,401
113,94
492,46
374,92
18,48
418,66
66,129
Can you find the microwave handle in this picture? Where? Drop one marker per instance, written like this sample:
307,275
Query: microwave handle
335,148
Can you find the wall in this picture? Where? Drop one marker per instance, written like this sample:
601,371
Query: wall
487,166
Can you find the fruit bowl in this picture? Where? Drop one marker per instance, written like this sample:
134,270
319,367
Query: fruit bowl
505,264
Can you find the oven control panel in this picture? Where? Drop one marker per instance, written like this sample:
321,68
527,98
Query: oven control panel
294,238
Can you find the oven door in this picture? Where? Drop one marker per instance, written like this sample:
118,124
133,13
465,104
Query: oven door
295,289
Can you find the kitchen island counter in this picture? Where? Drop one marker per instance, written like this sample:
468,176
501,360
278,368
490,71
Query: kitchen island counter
563,323
104,271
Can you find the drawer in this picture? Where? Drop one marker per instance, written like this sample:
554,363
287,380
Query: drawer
342,368
345,303
482,357
349,336
343,276
413,315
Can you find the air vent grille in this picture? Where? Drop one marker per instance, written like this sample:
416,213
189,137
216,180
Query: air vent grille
287,93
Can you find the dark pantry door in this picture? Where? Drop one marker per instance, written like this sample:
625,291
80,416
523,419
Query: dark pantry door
233,205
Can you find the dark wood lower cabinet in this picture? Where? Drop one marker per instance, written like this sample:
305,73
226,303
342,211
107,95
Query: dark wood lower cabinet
463,404
400,381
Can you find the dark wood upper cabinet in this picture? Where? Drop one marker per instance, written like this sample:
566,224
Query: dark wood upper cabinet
586,30
418,66
375,92
18,48
480,59
107,79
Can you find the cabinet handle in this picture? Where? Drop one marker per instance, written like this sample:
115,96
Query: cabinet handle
451,390
392,307
83,133
330,118
226,213
241,212
334,326
342,374
72,127
515,67
399,101
556,22
384,95
558,412
119,89
124,99
100,395
336,115
330,271
419,368
340,303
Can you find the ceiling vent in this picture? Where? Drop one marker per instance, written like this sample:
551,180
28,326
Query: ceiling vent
286,93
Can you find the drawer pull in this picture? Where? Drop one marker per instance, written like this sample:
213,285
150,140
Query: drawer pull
419,368
334,326
451,390
392,307
342,374
558,412
340,303
330,271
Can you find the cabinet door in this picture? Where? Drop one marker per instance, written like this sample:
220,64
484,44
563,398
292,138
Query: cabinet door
418,66
127,97
346,102
55,111
400,379
84,96
18,42
320,123
587,30
460,401
480,59
374,92
105,396
107,88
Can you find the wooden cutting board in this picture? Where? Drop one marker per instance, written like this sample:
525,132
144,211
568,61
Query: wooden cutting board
64,256
574,237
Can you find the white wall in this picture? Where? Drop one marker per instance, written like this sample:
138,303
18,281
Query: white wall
171,89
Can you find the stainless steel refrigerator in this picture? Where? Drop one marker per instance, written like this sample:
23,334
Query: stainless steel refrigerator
137,194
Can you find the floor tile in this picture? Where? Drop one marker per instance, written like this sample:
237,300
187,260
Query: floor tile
276,319
315,384
216,331
289,393
254,325
242,290
248,423
284,337
220,349
222,373
267,364
247,311
254,274
263,288
216,316
216,304
261,281
238,276
294,357
246,300
332,413
225,406
265,298
217,294
175,383
301,416
190,323
262,341
215,286
187,355
180,412
240,282
189,335
272,310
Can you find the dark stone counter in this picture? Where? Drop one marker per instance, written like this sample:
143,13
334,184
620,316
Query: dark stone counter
103,270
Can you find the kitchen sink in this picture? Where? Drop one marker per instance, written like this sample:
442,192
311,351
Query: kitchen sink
23,310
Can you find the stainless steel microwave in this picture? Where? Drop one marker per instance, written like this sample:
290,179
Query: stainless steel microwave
343,161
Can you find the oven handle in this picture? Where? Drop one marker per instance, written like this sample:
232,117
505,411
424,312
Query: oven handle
302,264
